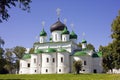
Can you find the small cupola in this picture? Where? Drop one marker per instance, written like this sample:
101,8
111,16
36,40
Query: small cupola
73,35
65,31
84,41
84,44
43,33
43,36
65,35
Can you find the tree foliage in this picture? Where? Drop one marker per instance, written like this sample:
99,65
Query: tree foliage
5,5
77,66
19,51
111,52
89,46
31,51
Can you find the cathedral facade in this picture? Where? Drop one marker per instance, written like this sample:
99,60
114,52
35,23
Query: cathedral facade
57,55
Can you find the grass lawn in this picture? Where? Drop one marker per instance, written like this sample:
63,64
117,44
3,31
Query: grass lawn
60,77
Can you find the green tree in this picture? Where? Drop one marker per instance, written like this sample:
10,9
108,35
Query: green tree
5,5
19,51
9,57
90,47
77,66
31,51
111,52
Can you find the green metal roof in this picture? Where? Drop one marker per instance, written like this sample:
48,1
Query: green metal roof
43,33
99,54
73,35
65,31
38,51
80,53
26,56
94,55
84,41
61,50
50,50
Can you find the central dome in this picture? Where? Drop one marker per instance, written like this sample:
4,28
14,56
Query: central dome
57,26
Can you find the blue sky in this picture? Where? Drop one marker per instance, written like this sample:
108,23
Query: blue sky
93,17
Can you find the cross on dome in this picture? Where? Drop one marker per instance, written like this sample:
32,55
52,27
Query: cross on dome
65,20
43,24
72,26
83,34
58,12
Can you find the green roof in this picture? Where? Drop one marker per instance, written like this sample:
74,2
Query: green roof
61,50
84,41
43,33
98,54
94,55
26,56
38,51
73,35
80,53
65,31
50,50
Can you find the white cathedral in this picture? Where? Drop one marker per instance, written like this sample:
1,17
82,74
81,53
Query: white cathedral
57,55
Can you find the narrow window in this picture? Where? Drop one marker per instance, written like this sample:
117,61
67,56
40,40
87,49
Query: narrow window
85,63
34,60
53,60
59,70
28,64
47,60
41,40
35,70
56,37
61,59
64,38
46,70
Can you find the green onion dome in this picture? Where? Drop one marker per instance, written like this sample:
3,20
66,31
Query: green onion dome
80,53
65,31
50,38
84,41
43,33
61,50
50,50
73,35
26,56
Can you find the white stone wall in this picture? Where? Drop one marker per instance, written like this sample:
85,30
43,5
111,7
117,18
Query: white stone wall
50,66
84,45
65,37
24,69
34,64
74,40
97,65
43,39
63,64
86,68
56,36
